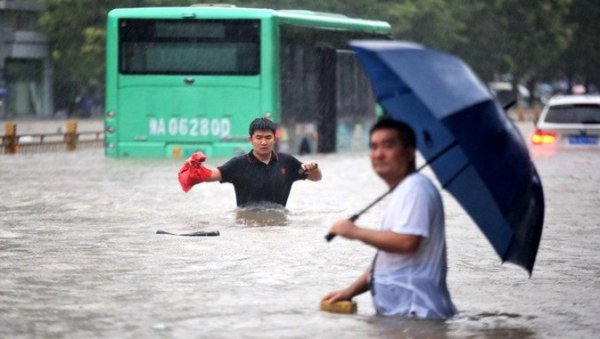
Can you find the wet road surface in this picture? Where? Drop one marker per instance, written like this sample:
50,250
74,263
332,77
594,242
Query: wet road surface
80,258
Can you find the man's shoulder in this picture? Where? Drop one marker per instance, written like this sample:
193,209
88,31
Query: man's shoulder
236,160
288,159
283,155
419,178
418,182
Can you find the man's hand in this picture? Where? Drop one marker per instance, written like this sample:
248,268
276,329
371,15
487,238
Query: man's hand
309,166
312,171
360,285
339,295
196,159
345,228
193,172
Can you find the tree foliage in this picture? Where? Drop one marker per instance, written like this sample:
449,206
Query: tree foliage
580,60
542,39
76,29
516,37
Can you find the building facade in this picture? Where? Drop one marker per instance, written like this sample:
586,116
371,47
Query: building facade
25,66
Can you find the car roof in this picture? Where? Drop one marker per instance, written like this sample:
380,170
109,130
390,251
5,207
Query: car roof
574,99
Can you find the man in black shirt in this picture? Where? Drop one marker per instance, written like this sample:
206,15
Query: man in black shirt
262,175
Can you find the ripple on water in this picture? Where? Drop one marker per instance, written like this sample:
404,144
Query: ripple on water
79,255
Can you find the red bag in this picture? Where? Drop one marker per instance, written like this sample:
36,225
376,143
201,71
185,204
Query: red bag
193,172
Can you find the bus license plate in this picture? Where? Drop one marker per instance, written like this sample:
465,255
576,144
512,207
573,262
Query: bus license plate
583,139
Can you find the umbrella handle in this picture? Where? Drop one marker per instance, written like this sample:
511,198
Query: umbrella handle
353,218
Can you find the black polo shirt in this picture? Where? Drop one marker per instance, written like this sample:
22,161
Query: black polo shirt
255,181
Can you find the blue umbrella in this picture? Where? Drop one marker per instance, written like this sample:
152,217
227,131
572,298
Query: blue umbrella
475,151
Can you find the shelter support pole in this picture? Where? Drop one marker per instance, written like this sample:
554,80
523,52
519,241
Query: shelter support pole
10,138
520,113
71,135
537,110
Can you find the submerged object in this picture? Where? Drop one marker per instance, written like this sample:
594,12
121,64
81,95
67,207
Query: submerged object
193,234
343,306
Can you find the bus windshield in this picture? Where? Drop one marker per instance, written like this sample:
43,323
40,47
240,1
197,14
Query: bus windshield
207,47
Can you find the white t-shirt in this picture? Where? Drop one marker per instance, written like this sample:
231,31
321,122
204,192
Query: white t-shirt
414,284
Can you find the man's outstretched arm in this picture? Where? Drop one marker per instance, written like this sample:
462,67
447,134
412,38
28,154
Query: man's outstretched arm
193,172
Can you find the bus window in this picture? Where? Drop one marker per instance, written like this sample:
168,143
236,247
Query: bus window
207,47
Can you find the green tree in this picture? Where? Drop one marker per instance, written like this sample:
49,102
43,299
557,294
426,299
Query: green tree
528,39
76,29
515,37
580,61
434,23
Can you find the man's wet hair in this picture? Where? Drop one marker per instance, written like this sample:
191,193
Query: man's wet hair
405,132
262,124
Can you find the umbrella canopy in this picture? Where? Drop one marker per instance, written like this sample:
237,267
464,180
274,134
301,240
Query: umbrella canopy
475,151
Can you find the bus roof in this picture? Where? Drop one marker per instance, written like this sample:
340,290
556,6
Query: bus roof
297,17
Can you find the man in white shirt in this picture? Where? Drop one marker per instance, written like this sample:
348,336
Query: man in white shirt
408,275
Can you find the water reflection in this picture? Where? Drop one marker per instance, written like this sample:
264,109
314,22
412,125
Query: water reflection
391,327
261,214
492,325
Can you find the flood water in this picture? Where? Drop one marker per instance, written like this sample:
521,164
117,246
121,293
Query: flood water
80,257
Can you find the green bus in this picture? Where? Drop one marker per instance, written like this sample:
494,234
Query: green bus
187,79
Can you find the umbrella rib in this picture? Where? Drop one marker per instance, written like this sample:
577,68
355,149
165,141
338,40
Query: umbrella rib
455,176
437,155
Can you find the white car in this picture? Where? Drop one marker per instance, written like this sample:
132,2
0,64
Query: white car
569,121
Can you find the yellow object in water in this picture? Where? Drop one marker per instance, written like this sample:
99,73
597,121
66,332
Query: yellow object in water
344,306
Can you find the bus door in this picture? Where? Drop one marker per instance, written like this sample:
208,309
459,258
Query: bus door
346,107
326,109
355,103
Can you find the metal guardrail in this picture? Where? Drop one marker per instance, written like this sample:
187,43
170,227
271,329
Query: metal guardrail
12,143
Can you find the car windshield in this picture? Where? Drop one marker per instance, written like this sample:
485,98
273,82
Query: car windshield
574,114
